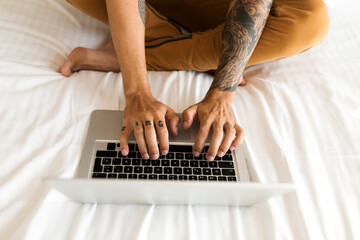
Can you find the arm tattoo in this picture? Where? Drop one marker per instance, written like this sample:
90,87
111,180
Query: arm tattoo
141,6
123,128
244,24
160,123
147,123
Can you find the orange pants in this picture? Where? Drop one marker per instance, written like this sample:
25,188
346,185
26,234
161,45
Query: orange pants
293,26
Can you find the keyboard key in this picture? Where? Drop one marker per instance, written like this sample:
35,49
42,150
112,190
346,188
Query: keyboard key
194,163
197,171
170,155
157,169
132,155
106,161
213,164
132,176
182,177
226,164
216,171
231,179
163,177
179,156
131,147
180,148
112,175
128,169
175,163
136,162
138,155
155,162
172,177
184,163
217,158
116,161
204,164
187,171
202,178
161,156
99,175
192,178
148,169
152,176
138,169
206,148
118,144
142,176
168,170
108,168
111,146
227,157
229,172
200,157
165,162
189,156
126,161
118,169
222,178
106,153
212,178
206,171
97,165
122,176
177,170
120,155
145,162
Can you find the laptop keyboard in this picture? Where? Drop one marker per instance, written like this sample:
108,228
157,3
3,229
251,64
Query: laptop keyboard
178,164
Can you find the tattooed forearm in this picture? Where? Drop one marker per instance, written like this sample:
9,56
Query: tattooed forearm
141,6
243,27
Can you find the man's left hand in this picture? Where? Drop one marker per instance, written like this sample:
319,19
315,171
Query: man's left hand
214,112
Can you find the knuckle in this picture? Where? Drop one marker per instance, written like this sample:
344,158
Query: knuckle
138,130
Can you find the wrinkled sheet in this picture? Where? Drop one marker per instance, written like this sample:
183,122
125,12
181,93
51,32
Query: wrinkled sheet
301,116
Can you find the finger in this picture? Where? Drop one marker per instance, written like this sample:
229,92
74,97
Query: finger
124,136
201,138
140,139
188,116
150,136
174,121
229,137
239,137
163,136
215,141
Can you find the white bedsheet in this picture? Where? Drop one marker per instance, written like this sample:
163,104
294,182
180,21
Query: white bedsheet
301,116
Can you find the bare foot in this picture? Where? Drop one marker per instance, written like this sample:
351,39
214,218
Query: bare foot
90,59
241,83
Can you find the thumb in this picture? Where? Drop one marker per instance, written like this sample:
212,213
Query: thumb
174,121
188,116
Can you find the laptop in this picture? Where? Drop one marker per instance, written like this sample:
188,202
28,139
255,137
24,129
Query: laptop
105,176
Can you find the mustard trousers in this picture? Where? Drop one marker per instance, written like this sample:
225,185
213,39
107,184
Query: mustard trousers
293,26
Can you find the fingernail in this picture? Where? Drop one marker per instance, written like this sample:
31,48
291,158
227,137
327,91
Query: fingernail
210,158
221,153
123,152
164,152
145,156
232,148
155,156
196,154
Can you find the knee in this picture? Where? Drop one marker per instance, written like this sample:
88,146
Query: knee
311,24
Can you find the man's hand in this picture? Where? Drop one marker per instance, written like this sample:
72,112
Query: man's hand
214,112
146,116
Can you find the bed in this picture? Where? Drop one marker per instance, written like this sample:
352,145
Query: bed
301,116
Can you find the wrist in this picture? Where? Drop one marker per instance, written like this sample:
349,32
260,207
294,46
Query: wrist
217,95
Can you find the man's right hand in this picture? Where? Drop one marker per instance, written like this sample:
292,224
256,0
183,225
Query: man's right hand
146,116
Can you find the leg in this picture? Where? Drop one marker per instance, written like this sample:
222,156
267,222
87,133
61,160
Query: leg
292,27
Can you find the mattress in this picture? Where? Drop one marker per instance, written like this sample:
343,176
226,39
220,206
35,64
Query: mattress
301,116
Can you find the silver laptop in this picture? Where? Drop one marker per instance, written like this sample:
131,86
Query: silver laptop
105,176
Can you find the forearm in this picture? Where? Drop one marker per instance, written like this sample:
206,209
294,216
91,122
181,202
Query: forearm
127,19
243,27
